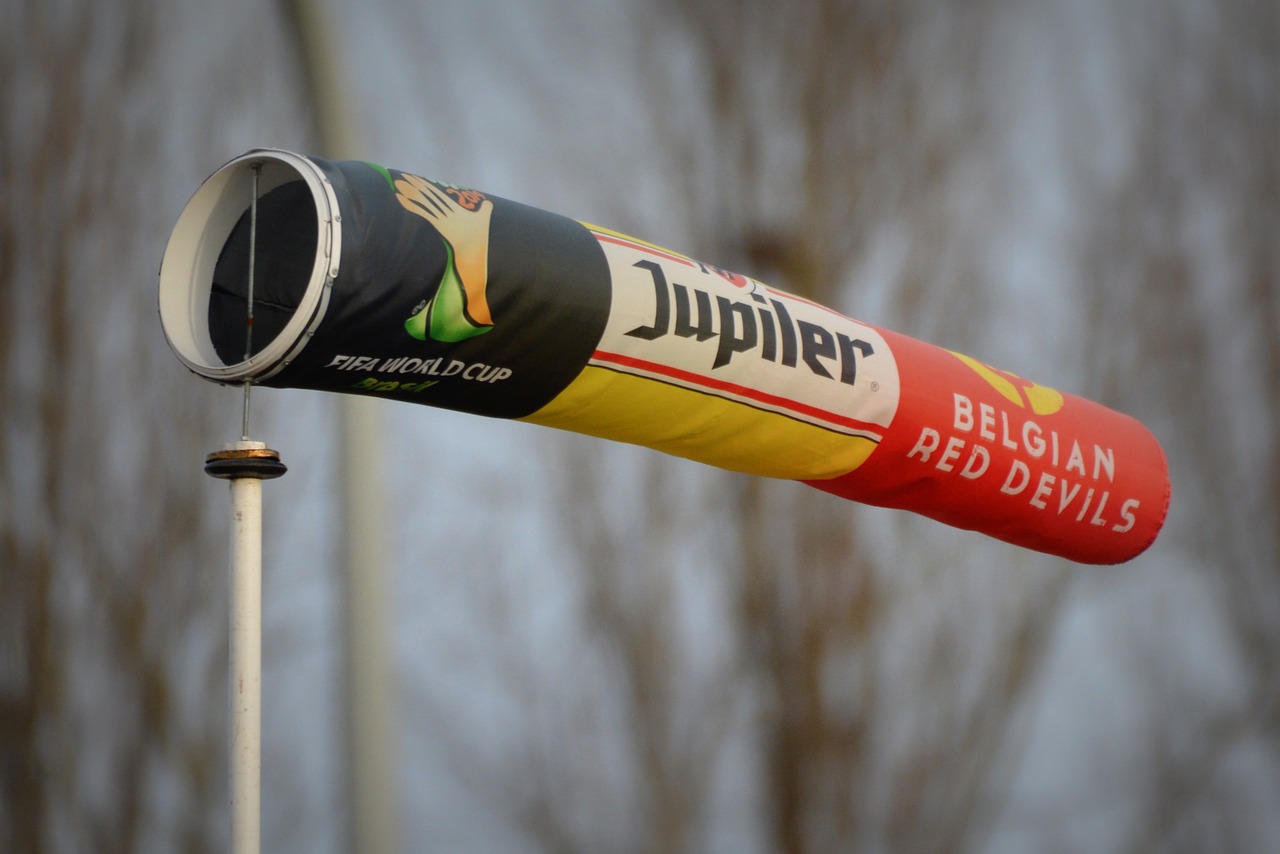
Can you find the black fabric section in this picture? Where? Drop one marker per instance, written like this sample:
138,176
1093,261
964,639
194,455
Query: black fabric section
284,256
548,289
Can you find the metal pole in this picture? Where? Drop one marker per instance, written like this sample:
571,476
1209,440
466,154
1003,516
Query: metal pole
246,464
246,663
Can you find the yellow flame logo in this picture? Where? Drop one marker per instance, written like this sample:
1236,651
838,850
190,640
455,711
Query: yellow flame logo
1025,394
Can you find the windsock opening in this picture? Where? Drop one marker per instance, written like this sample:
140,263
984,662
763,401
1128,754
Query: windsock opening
278,210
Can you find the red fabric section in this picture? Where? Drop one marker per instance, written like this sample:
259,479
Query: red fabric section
969,448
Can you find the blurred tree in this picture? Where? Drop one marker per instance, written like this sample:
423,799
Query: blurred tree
758,666
821,127
77,608
1183,263
112,621
875,710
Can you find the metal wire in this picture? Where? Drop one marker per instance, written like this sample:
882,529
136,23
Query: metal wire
248,328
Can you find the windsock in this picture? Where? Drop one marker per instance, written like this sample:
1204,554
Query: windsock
291,271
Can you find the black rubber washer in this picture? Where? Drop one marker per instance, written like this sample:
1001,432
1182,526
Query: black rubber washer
230,467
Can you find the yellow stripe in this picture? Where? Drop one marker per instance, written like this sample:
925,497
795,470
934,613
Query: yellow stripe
701,427
630,239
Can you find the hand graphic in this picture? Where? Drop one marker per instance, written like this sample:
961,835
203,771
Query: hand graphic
462,219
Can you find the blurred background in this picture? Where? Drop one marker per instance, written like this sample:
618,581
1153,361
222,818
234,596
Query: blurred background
592,647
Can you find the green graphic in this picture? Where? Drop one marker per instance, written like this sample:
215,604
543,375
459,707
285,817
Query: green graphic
383,171
459,309
444,316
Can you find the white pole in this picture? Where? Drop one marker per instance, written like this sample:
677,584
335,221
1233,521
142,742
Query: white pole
246,662
246,464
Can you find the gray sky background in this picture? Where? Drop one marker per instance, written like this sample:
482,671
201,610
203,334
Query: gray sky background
552,104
